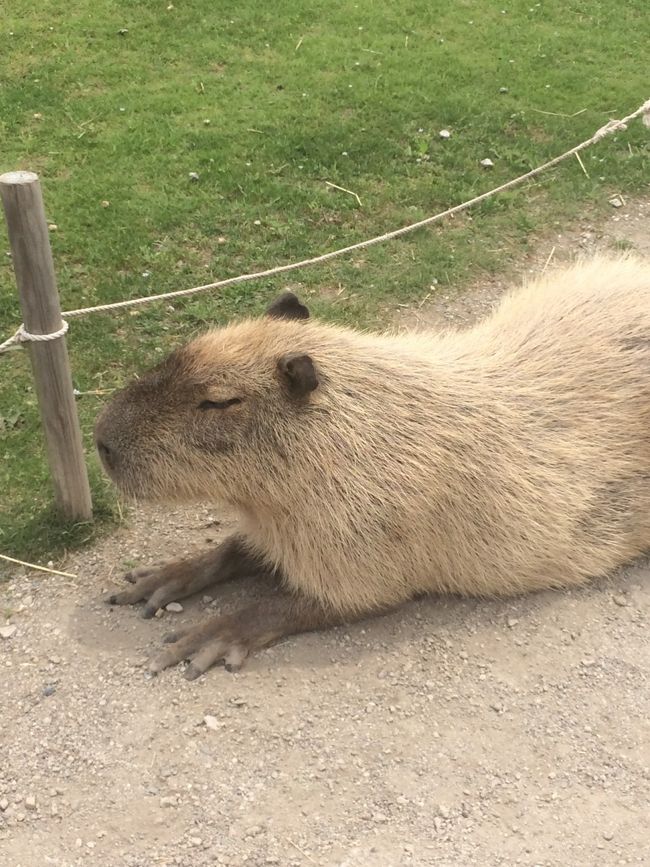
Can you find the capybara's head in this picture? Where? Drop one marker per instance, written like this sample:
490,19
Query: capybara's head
197,425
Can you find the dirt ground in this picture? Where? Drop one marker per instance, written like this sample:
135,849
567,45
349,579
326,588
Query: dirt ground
449,733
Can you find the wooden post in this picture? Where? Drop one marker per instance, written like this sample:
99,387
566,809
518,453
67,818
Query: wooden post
39,301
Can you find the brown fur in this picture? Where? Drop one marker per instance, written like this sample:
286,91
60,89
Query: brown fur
510,457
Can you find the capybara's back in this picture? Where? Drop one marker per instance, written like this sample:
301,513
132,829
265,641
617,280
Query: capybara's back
560,384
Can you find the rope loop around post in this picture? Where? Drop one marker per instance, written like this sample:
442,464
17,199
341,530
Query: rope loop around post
23,336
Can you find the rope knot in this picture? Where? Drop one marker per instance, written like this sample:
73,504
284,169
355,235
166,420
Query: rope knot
23,336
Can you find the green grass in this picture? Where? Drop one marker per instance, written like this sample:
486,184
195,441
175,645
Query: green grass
267,103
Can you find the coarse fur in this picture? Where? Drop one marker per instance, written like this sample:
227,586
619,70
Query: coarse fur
510,457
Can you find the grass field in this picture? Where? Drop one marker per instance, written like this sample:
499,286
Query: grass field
116,103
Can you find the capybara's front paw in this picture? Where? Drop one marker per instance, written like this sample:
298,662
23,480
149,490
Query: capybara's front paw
158,585
180,578
232,637
220,638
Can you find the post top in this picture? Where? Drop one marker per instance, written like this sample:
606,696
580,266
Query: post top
12,179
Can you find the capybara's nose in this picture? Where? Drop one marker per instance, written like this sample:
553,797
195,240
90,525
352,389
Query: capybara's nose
106,454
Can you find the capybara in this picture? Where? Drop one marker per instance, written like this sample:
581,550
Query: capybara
367,469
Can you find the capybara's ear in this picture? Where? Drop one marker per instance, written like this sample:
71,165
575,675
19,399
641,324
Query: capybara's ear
287,306
299,374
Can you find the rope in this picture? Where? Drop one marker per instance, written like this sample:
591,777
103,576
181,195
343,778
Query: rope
610,127
24,336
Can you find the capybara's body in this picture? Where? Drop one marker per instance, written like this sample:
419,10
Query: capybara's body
509,457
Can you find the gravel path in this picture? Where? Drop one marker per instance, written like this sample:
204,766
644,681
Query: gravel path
450,733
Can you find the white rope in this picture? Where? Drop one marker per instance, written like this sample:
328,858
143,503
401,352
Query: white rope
610,127
24,336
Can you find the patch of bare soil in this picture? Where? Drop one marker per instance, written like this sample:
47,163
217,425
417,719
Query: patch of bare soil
450,733
628,228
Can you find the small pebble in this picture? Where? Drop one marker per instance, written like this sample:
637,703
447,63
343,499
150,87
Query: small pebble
616,202
512,622
30,802
8,631
193,176
444,133
4,803
487,163
620,600
174,607
211,722
503,90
